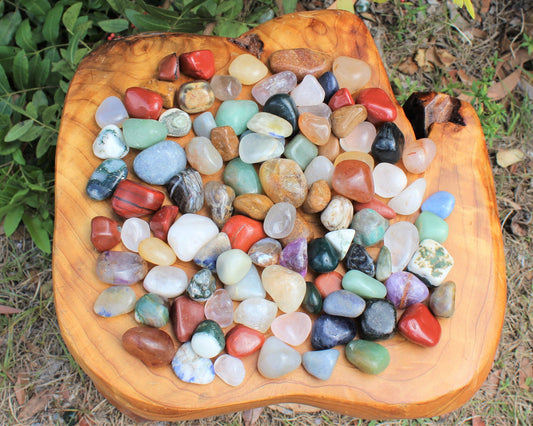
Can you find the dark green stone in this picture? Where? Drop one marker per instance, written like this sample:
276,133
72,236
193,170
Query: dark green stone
312,302
282,105
212,328
105,178
378,320
202,285
322,255
369,357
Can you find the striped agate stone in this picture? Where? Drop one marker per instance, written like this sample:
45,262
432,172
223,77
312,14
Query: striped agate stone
132,199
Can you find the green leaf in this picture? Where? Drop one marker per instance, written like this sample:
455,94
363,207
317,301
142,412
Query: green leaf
50,114
70,52
119,6
71,16
146,22
24,37
48,139
345,5
18,158
289,6
12,220
18,130
44,72
51,23
4,83
8,25
37,8
31,110
114,25
230,28
37,231
33,134
20,70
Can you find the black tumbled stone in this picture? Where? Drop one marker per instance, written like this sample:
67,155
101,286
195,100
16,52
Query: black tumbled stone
378,320
388,144
358,258
329,331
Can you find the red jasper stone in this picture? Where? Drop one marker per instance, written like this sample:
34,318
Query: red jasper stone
169,69
377,205
162,220
243,232
353,179
378,105
105,233
418,325
185,315
242,341
131,199
199,64
341,98
151,345
143,103
328,283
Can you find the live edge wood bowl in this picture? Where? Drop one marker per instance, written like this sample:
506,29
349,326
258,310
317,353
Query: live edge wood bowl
419,382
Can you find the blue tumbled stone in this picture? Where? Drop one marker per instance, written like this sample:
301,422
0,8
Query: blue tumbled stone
105,178
344,303
158,163
191,368
329,331
203,124
320,363
329,84
440,203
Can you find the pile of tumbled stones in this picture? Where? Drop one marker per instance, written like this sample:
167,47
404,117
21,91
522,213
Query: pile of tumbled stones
302,151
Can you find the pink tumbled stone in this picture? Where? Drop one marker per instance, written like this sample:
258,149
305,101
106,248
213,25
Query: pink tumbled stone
418,155
292,328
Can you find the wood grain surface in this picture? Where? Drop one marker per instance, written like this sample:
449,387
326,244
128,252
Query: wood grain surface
419,382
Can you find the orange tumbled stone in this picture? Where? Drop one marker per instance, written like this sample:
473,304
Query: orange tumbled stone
315,128
353,179
345,119
300,61
328,283
243,232
254,205
318,197
331,148
226,142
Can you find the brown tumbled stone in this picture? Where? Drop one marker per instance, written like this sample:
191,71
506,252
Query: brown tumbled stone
254,205
345,119
166,89
283,181
318,197
151,345
302,229
300,61
226,142
330,149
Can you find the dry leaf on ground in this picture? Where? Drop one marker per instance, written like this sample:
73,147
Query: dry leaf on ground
491,385
477,421
7,310
408,66
506,157
501,89
525,372
251,416
36,404
20,387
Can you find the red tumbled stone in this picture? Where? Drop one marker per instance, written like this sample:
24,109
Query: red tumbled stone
162,220
199,64
378,105
143,103
185,315
242,341
418,325
377,205
328,283
105,233
353,179
243,232
132,199
168,68
341,98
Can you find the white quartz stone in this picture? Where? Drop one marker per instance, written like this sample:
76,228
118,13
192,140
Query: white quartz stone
167,281
320,168
308,92
189,233
134,230
401,238
389,180
341,240
256,313
410,199
110,143
249,286
256,148
230,369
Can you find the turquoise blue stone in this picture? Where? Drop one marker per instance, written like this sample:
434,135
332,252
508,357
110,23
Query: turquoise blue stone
369,227
242,177
151,309
329,83
301,150
322,255
105,178
282,105
329,331
320,363
344,303
440,203
203,124
158,163
236,113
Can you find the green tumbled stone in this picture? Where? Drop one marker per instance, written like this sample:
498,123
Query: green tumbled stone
383,264
242,177
208,339
363,285
236,114
430,226
312,302
142,133
322,255
301,150
369,357
151,309
442,300
369,227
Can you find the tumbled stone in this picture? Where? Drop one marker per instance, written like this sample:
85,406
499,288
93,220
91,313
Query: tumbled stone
167,281
292,328
363,285
132,199
308,92
355,155
168,68
409,200
369,357
442,300
430,226
232,266
402,240
185,315
388,144
320,110
247,69
105,178
378,104
341,240
120,267
343,303
329,84
315,128
301,150
383,264
322,255
195,96
377,205
320,168
320,363
199,64
256,312
360,138
431,262
158,163
267,123
203,156
440,203
152,346
177,122
404,289
340,98
282,82
344,120
191,368
249,286
243,231
141,133
219,308
166,89
378,321
186,191
226,142
143,103
111,111
351,73
236,113
189,234
358,258
300,61
256,148
329,331
328,282
230,369
114,301
202,285
151,309
208,254
255,206
225,87
389,180
162,220
242,341
277,359
294,256
219,198
282,105
369,227
265,252
338,214
208,340
279,220
312,302
204,124
156,251
110,143
285,287
242,177
418,155
418,325
353,179
105,233
318,197
302,229
283,181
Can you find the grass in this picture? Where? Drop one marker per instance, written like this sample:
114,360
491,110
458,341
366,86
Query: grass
30,341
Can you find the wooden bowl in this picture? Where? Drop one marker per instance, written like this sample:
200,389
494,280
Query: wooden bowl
419,382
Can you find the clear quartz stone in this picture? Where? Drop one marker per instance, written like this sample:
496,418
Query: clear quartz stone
401,238
134,230
282,82
111,111
230,369
280,219
308,92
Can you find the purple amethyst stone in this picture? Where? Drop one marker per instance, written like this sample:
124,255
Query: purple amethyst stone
120,267
294,256
404,289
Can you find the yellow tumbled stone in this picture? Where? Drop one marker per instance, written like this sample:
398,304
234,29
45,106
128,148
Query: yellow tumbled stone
156,251
247,69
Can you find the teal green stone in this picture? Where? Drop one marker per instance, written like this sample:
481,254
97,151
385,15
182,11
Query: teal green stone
384,264
369,357
322,255
106,178
430,226
363,285
236,113
301,150
242,177
369,227
312,302
208,339
141,133
151,309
